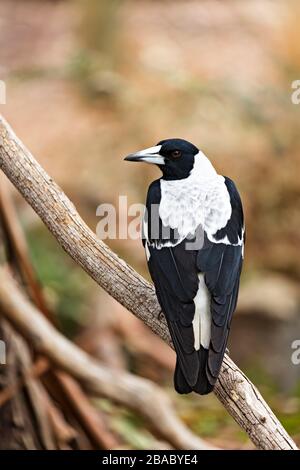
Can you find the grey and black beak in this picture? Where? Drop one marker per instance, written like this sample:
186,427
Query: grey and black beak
150,155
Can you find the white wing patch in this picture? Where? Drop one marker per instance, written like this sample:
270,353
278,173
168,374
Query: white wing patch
202,317
201,199
145,235
148,254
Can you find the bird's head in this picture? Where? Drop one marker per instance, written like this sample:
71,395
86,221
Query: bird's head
175,157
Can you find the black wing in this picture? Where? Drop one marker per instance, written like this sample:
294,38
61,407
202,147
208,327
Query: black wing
175,271
222,265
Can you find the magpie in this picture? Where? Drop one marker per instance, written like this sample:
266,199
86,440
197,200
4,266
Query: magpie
193,234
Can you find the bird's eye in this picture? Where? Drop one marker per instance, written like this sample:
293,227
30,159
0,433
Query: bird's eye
176,154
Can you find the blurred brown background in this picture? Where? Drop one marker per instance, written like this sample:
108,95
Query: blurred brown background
89,82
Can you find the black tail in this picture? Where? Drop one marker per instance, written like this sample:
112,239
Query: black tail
180,384
202,386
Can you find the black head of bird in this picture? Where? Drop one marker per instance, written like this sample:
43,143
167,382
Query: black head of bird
175,157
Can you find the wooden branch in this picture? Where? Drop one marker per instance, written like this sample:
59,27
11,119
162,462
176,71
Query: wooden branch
40,367
16,241
109,440
126,389
234,390
75,397
91,419
24,423
64,433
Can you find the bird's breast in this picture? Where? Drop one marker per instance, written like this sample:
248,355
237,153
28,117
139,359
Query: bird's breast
192,202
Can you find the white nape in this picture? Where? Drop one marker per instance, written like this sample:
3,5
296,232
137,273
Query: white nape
202,317
200,199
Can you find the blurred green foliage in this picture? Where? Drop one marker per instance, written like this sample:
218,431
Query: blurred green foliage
65,285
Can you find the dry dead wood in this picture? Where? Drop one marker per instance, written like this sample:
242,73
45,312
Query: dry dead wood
126,389
78,403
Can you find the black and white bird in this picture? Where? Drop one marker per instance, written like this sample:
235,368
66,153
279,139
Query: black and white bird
193,235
